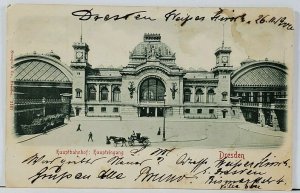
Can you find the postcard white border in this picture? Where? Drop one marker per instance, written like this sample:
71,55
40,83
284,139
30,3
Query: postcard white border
187,3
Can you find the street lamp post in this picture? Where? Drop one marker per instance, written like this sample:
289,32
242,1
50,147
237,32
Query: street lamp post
164,124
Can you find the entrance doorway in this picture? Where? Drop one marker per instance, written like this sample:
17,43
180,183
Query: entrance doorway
143,112
224,112
160,112
151,112
77,111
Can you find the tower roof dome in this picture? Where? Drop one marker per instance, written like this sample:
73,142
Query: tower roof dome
152,49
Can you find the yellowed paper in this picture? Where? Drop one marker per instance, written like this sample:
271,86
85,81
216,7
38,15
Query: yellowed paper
148,97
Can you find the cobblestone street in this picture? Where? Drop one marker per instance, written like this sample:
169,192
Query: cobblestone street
179,133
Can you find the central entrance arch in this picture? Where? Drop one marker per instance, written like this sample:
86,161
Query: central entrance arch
151,91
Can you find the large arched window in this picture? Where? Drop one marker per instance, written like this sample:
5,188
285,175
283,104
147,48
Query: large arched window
210,95
187,95
116,94
152,89
200,96
91,93
104,94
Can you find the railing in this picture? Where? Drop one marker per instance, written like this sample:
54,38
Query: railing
199,103
208,116
28,101
159,103
39,101
152,101
278,105
266,105
249,104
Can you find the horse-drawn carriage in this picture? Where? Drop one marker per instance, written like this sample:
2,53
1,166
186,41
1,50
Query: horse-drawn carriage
116,140
134,139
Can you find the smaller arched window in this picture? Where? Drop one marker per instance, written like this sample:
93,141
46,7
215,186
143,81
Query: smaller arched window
210,95
104,94
200,96
116,94
224,96
187,95
78,92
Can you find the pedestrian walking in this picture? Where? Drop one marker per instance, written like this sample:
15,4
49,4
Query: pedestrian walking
78,128
158,132
90,137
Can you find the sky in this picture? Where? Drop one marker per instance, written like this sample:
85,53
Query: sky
43,29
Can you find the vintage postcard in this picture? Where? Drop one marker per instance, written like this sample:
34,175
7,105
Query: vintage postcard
149,97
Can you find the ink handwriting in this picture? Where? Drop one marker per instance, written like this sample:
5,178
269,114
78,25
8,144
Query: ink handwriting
185,159
86,14
225,173
221,15
120,161
146,175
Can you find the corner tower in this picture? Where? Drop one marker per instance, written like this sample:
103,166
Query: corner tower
79,67
223,56
222,71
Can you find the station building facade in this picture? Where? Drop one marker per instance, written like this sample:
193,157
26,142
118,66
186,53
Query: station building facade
152,84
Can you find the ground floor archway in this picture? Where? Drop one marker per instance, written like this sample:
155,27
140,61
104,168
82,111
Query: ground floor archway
151,111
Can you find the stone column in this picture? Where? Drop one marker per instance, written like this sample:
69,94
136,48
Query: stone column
261,116
155,115
109,92
205,95
193,94
97,92
274,118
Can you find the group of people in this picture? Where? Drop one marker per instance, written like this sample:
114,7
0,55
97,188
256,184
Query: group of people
90,134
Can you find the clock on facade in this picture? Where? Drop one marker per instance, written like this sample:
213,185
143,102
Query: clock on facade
79,55
225,59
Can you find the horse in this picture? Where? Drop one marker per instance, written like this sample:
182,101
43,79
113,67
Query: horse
118,140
